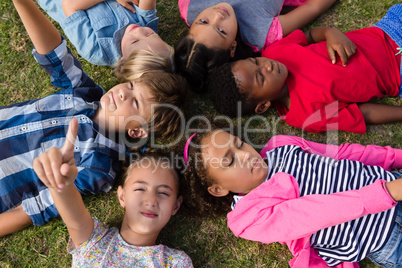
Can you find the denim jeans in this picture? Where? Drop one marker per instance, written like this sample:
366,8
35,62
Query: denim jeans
390,255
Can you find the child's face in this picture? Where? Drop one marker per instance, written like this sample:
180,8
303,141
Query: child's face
125,107
149,197
215,27
260,78
235,165
137,37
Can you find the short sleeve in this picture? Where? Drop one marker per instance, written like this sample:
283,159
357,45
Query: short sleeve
296,37
100,230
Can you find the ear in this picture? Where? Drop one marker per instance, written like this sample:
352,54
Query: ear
120,195
177,205
233,49
262,107
137,133
217,191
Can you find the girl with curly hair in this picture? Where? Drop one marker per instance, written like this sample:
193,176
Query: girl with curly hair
332,205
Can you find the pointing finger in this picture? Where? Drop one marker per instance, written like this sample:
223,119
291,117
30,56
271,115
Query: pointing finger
70,137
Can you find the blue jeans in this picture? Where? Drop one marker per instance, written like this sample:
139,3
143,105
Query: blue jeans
390,255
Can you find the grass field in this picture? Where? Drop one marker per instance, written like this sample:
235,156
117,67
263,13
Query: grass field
208,242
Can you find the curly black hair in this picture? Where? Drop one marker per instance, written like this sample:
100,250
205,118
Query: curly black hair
196,182
225,92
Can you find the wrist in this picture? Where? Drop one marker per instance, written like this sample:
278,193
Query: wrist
394,189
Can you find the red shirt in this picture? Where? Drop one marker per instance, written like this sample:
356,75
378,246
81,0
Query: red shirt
323,95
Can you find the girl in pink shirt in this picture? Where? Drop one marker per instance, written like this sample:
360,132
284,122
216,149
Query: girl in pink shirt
332,205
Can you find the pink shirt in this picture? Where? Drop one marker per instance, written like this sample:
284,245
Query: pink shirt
265,213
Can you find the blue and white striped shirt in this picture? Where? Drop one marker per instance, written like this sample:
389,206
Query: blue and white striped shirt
30,128
350,241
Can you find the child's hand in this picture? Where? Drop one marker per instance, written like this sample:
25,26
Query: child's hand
126,4
337,42
56,168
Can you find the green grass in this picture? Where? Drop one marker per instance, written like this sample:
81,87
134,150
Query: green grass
208,242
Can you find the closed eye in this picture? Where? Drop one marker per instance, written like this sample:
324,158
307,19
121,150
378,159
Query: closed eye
139,190
221,31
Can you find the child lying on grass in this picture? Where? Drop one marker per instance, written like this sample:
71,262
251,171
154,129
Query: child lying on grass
311,92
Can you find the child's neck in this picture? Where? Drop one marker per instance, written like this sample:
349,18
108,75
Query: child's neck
285,99
137,239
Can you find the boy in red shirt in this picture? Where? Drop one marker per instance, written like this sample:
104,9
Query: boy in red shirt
309,91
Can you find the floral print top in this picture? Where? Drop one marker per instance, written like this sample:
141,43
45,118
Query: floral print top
106,248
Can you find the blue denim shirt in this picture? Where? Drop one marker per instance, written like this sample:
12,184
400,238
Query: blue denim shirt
30,128
97,32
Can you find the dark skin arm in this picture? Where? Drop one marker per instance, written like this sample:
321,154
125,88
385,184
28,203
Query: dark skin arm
374,113
337,42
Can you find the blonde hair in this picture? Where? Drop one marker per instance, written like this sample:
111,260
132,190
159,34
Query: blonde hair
141,61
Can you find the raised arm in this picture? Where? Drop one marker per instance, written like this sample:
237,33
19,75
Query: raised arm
42,32
57,169
147,4
303,15
72,6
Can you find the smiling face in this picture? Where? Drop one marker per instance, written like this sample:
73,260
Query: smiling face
137,37
216,27
125,108
150,198
261,79
234,165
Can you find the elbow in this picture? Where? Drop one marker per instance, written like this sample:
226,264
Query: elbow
70,7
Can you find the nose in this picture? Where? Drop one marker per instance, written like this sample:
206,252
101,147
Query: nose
218,16
144,31
151,200
267,66
244,155
122,94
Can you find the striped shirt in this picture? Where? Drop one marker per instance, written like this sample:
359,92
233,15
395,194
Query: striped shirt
30,128
348,242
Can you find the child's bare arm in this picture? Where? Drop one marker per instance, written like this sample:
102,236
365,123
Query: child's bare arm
147,4
42,32
375,113
303,15
395,189
13,221
72,6
337,42
57,169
